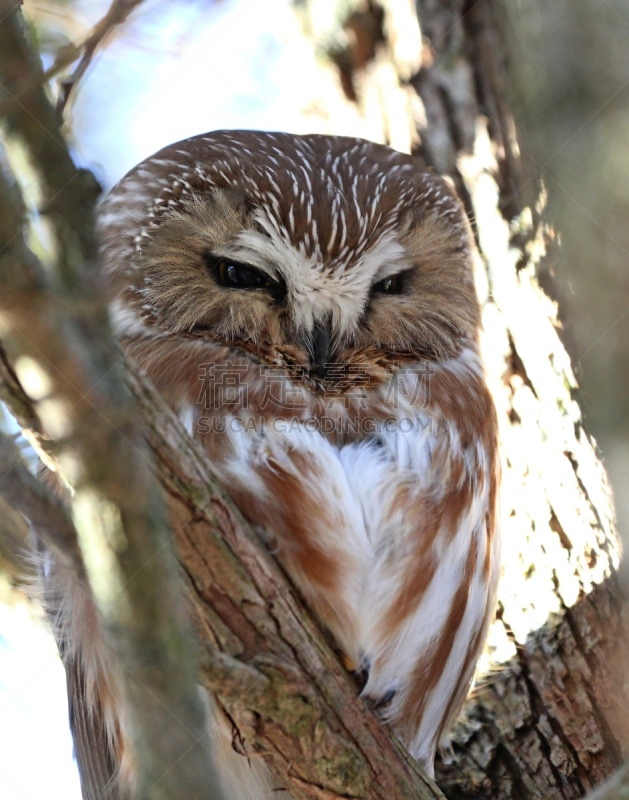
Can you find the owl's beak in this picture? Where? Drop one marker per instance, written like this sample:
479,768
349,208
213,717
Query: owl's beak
320,348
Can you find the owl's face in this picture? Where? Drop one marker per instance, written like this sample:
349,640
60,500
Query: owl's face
305,250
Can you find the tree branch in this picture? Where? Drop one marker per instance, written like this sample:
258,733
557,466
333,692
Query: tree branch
116,15
58,319
293,699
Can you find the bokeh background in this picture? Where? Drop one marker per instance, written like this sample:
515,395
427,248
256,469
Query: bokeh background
570,66
181,67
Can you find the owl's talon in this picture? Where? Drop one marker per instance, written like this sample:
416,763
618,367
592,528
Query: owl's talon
359,670
377,704
349,663
387,698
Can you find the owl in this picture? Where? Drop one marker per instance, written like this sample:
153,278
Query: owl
306,305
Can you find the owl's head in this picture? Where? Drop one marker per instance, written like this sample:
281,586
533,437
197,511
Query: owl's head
310,247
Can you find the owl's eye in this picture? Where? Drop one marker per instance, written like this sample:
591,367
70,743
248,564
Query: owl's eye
239,276
394,284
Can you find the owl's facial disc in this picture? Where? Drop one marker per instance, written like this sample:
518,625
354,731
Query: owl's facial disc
299,283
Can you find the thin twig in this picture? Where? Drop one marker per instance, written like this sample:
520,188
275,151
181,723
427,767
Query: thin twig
117,13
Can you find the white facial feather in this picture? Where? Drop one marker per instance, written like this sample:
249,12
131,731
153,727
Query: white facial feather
318,291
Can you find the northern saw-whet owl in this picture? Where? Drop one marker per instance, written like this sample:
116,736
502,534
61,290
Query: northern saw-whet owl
306,304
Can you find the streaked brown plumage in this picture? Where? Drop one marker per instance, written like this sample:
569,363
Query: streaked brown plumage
330,279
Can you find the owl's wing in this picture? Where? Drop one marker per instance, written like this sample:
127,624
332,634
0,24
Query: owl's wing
92,747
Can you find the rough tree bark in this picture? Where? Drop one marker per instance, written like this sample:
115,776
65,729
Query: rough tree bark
549,718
